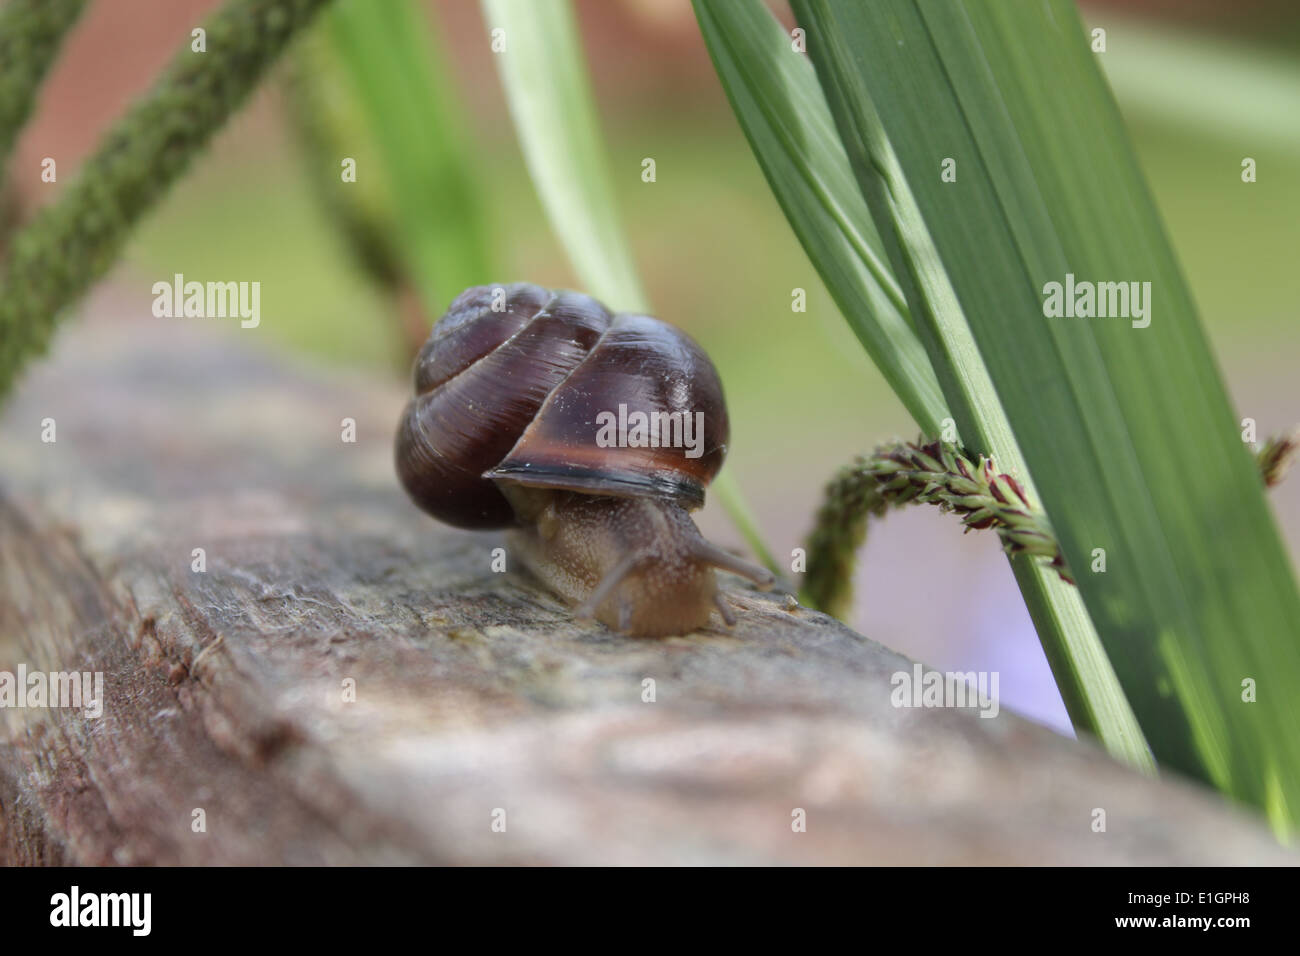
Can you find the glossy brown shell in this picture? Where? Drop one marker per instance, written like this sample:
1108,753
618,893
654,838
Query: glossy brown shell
513,396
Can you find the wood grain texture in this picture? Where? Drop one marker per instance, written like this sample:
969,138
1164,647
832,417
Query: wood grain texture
475,690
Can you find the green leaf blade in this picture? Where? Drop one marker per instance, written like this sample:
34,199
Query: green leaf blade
785,116
392,63
782,111
1127,432
542,68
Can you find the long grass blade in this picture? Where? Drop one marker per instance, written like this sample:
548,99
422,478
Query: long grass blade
778,103
782,111
392,60
543,70
1125,426
540,59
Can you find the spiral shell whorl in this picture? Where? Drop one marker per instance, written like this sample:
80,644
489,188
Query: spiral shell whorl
512,395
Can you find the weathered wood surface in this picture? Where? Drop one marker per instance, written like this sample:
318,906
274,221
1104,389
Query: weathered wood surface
474,690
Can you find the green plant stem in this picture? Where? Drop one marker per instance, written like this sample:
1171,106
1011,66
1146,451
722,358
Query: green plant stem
743,518
1084,675
931,473
782,111
31,32
71,243
543,72
792,129
1129,438
364,223
328,125
389,65
938,473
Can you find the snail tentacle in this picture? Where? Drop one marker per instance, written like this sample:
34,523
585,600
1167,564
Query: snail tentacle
721,558
720,602
612,579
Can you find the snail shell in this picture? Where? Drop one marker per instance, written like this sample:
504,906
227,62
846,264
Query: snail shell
502,433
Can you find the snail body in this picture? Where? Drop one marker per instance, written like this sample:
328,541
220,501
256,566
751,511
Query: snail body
518,393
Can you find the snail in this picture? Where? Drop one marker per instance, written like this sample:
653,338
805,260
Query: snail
521,420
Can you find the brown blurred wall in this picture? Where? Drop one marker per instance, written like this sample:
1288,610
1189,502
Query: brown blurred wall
642,53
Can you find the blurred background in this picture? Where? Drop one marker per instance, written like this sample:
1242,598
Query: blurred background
1201,84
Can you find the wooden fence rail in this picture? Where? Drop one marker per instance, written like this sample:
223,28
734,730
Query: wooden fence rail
227,736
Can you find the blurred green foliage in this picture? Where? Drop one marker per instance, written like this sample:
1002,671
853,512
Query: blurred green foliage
254,215
716,255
